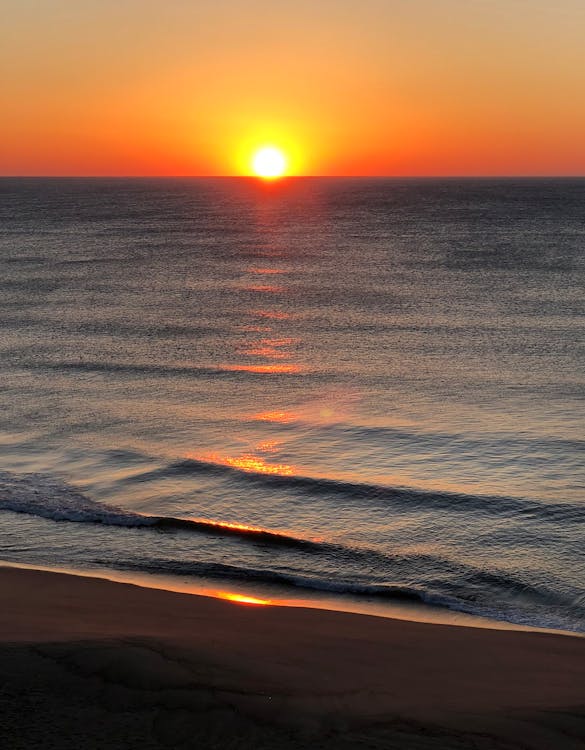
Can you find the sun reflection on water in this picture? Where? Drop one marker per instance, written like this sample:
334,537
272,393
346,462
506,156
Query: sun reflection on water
250,463
232,525
268,352
287,341
264,288
266,369
282,417
269,446
267,271
277,351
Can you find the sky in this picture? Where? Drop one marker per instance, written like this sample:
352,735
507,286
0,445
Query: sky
344,87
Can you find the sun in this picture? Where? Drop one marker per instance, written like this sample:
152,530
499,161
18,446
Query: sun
269,163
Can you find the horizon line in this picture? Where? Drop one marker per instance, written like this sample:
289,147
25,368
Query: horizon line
295,177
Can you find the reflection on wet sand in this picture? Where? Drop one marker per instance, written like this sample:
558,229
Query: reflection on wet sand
240,598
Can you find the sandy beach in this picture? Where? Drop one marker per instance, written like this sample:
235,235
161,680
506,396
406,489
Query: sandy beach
89,663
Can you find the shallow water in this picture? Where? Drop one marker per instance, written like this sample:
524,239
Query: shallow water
376,384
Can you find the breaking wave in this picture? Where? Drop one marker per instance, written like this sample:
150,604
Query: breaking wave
40,495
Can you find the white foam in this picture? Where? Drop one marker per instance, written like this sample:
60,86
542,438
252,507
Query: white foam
47,497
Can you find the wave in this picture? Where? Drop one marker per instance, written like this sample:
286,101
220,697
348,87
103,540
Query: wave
43,496
424,438
431,439
220,528
387,495
269,576
46,497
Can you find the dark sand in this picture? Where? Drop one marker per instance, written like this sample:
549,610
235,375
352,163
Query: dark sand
87,664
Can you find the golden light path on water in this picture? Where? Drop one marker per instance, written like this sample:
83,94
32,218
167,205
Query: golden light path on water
284,417
273,349
268,271
268,288
263,369
247,462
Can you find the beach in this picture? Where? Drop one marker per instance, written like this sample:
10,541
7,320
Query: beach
90,663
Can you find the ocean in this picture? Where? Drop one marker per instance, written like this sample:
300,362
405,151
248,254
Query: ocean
363,388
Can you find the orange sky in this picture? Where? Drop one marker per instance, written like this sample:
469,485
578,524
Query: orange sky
365,87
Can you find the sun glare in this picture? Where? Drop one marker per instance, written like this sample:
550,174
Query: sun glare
269,163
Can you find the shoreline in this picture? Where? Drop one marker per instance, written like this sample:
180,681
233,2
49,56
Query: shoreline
157,668
421,612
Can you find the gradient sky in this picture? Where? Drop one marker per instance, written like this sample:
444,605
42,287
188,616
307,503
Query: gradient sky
365,87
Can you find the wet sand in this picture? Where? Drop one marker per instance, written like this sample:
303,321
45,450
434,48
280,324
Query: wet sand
89,663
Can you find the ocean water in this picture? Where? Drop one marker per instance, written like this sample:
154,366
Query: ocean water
368,387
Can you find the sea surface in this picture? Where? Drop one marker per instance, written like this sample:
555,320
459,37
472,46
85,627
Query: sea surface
370,387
